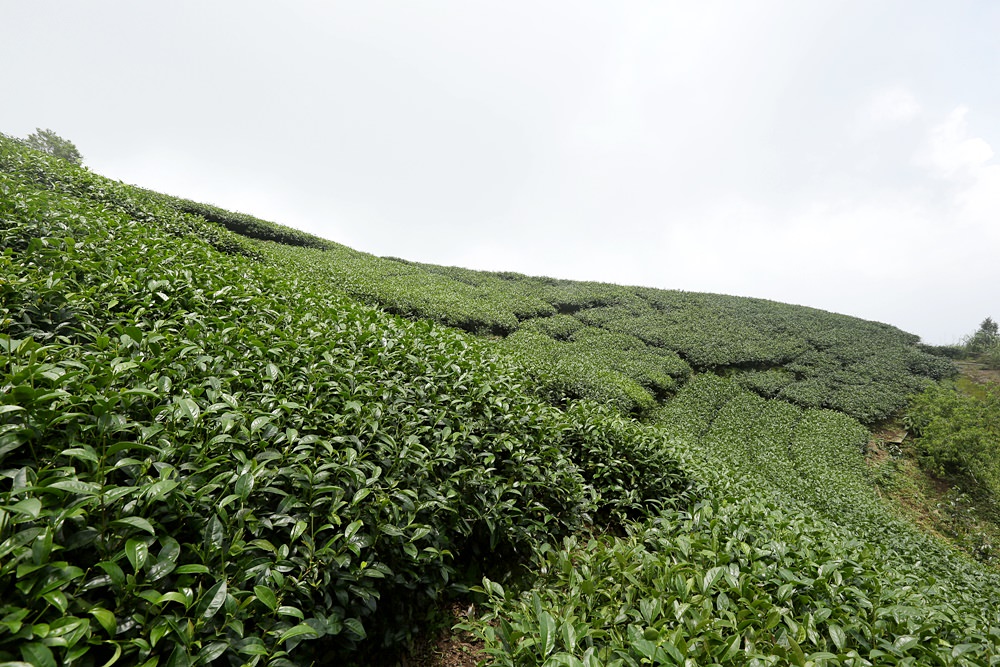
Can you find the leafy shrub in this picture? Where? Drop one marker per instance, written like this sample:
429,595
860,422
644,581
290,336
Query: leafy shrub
247,225
207,459
768,383
946,351
985,338
558,327
959,433
706,588
210,455
992,358
787,558
701,332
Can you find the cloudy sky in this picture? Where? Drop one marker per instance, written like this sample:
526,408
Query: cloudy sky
834,154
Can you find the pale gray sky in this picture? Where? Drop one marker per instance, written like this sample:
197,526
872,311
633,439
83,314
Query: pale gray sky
839,155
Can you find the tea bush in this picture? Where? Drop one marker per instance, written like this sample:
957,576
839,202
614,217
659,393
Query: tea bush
217,449
788,557
204,459
821,359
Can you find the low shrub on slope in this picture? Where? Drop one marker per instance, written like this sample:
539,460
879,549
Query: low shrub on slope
204,460
788,558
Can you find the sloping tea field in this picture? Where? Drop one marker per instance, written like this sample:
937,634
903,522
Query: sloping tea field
226,442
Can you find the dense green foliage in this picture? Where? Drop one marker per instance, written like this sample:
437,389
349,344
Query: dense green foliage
805,356
202,458
246,225
959,433
789,558
225,444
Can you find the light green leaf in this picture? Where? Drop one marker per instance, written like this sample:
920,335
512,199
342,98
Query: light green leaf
189,408
137,551
838,636
297,530
244,485
76,486
160,489
160,569
259,423
291,611
547,632
962,649
174,596
30,507
296,631
732,648
38,655
106,619
215,533
353,528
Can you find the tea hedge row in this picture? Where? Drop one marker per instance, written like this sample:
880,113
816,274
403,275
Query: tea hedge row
789,559
246,225
206,460
804,356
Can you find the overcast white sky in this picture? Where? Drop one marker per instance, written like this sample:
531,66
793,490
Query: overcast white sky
839,155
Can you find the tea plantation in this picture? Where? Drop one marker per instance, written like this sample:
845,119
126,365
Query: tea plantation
226,442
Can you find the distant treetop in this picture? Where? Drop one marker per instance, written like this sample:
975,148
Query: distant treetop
986,339
49,142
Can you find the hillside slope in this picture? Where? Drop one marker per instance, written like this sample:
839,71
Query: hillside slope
221,443
634,346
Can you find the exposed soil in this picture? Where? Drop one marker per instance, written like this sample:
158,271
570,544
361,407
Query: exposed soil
977,372
936,504
447,647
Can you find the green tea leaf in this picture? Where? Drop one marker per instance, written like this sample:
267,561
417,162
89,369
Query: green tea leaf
213,600
137,551
547,632
135,522
838,636
189,408
30,507
296,631
266,596
244,485
38,655
106,619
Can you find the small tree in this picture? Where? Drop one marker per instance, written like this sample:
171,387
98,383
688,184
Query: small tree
986,338
49,142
